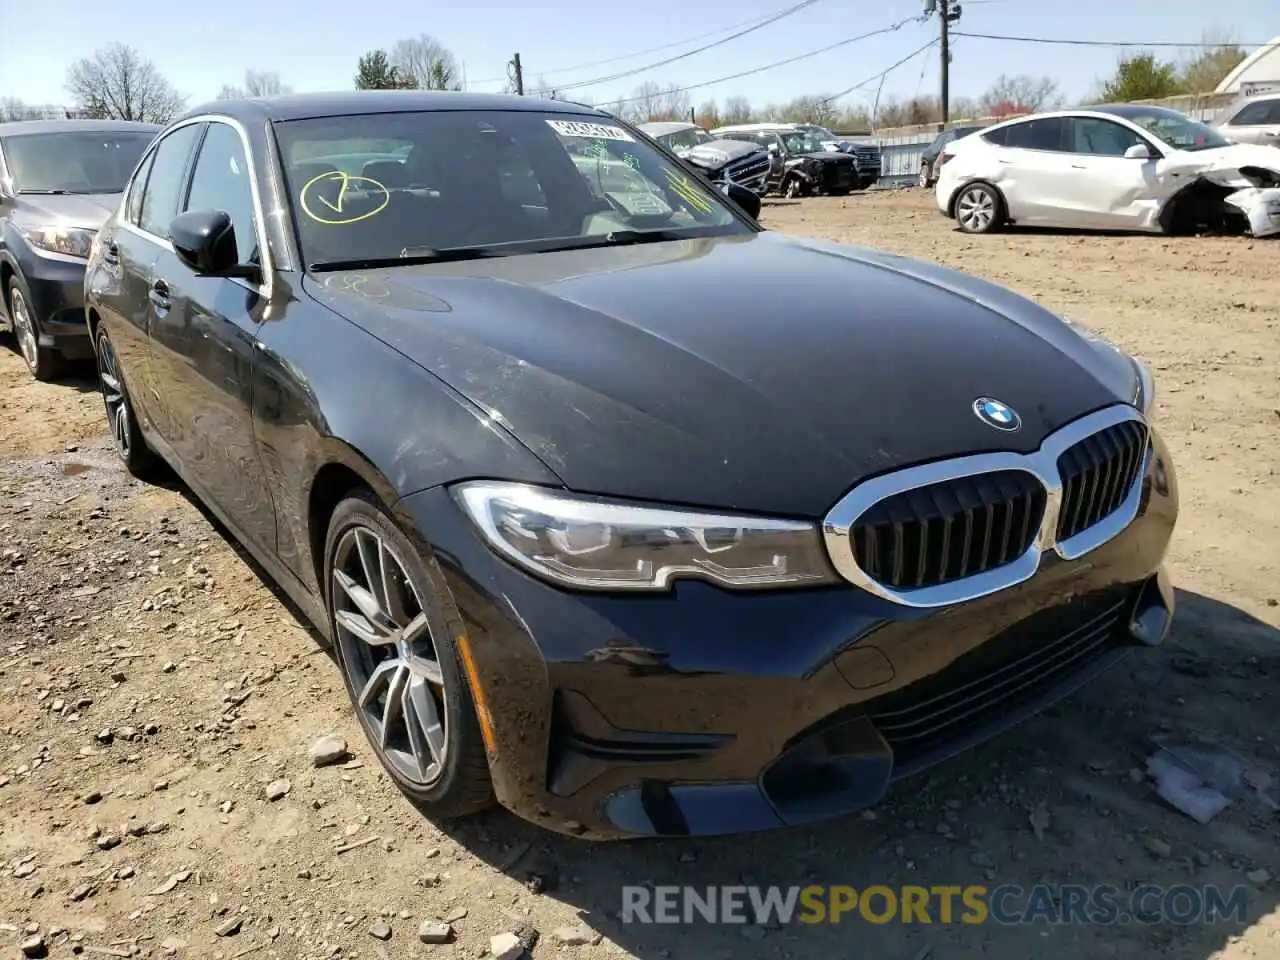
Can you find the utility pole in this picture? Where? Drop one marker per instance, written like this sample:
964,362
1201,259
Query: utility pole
517,74
945,19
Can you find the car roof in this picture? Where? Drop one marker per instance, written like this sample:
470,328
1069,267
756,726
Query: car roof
20,128
662,128
305,106
757,127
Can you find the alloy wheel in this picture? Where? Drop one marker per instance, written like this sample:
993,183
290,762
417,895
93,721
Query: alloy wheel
390,657
113,397
924,177
976,209
23,328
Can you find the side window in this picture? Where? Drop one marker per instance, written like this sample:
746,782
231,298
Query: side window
1043,134
998,136
1257,113
1099,138
220,181
164,185
134,207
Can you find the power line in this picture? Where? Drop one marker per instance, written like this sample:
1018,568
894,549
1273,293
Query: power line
1103,43
640,53
795,8
777,63
883,73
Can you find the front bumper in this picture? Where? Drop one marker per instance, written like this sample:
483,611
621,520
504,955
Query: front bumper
55,294
704,712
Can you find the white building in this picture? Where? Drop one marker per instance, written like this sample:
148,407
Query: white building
1258,73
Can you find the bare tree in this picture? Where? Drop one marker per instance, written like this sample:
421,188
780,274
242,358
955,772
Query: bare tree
116,82
429,62
737,110
809,108
651,102
11,108
265,84
1020,94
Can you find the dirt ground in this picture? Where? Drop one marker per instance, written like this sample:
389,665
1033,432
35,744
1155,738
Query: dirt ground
154,692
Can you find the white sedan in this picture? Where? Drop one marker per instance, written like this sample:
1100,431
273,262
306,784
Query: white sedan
1125,167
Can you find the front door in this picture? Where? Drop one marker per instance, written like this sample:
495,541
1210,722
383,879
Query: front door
204,347
1102,189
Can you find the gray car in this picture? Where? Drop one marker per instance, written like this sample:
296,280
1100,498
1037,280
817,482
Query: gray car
59,181
1253,120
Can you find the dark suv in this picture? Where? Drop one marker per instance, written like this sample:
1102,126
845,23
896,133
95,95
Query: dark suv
59,181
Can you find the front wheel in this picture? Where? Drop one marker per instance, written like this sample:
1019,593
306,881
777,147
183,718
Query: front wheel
391,617
45,363
793,189
979,209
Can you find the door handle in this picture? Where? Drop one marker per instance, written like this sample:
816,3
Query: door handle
112,253
1078,166
159,295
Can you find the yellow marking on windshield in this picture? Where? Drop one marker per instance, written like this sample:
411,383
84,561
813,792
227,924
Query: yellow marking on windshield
688,192
346,183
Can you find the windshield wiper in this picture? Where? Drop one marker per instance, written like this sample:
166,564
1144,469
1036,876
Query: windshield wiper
420,256
622,238
46,193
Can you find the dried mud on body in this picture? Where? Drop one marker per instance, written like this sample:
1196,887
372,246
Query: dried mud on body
159,703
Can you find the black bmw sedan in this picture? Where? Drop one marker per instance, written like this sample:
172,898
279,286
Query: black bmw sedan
616,508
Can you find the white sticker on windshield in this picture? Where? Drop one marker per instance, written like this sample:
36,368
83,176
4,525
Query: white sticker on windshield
591,131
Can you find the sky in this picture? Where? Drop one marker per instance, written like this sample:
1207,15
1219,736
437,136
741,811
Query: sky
315,45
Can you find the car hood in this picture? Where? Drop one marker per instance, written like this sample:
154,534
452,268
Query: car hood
759,373
831,156
85,210
717,153
1240,165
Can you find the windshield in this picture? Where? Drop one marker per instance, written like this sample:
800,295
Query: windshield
686,139
74,162
1177,130
803,143
502,181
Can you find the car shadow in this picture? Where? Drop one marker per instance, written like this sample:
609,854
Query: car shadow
969,822
1060,800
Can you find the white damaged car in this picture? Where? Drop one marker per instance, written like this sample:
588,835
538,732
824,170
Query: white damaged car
1125,167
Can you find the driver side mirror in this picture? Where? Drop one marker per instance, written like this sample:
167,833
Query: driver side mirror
773,148
748,200
205,241
1139,151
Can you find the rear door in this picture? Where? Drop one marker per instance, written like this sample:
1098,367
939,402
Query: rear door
1033,166
139,243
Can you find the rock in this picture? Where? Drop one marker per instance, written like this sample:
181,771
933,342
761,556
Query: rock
1158,847
980,858
506,946
456,914
34,947
328,749
575,936
381,930
1039,820
435,931
753,932
93,796
228,928
278,790
108,841
105,736
24,870
1259,876
79,892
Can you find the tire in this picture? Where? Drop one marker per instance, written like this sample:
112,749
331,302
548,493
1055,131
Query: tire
979,208
926,180
45,363
792,188
131,446
438,761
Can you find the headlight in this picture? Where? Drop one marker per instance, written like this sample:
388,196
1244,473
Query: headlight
588,543
68,241
1145,394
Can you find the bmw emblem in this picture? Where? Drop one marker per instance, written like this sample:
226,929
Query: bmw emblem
996,414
